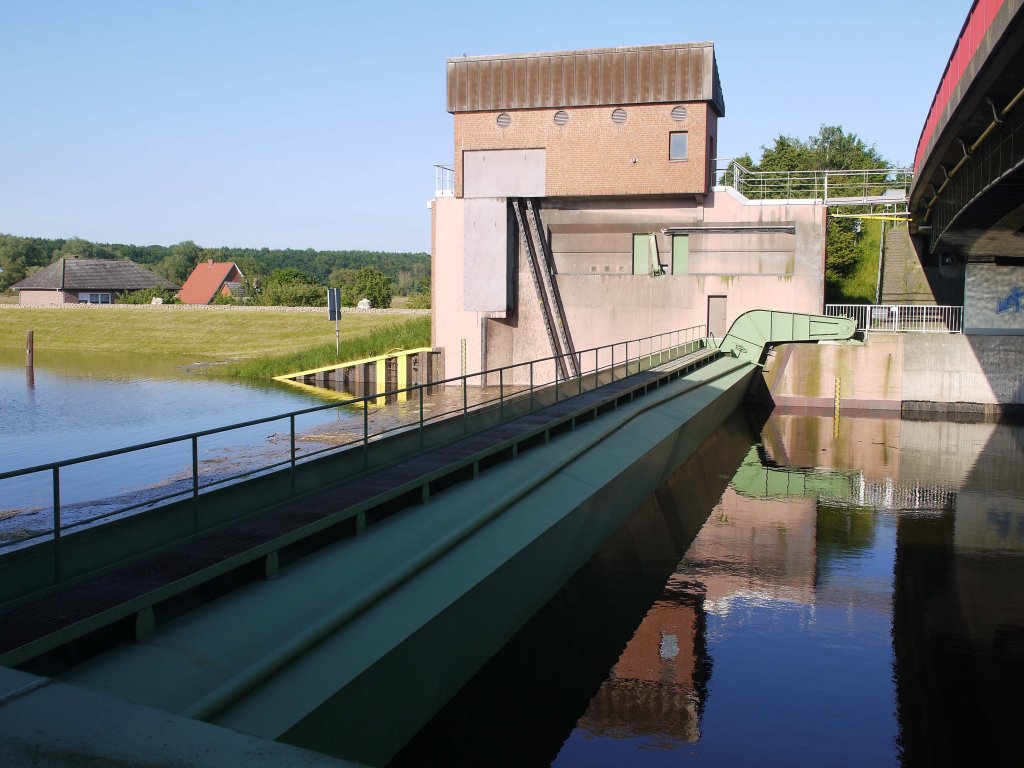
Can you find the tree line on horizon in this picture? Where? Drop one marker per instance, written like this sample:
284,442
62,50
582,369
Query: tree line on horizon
832,149
288,276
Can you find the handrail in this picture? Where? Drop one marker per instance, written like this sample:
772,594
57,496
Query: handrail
603,358
845,186
901,318
444,179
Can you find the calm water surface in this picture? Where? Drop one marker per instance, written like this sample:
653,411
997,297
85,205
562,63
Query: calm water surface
78,404
791,597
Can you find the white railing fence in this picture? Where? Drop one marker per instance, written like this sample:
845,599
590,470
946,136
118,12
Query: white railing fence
901,318
444,179
833,187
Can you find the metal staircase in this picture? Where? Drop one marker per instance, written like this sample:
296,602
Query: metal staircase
538,256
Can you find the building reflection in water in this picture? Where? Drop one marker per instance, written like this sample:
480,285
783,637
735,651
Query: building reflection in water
901,541
850,599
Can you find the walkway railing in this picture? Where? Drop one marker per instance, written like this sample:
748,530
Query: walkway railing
357,422
853,187
444,179
901,318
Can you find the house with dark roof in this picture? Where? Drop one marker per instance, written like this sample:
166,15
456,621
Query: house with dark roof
87,281
210,279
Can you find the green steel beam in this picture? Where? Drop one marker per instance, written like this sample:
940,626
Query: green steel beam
754,332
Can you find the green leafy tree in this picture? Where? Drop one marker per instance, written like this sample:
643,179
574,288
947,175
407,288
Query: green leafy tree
181,259
369,283
19,256
334,267
146,296
835,150
291,288
420,299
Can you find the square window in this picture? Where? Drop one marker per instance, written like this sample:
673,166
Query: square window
677,145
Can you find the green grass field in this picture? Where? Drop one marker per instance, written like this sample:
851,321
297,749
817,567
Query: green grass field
212,336
859,287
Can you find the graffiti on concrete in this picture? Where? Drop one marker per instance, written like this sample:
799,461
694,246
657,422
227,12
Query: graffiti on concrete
1011,302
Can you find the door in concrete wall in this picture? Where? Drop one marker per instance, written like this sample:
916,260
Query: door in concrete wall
717,325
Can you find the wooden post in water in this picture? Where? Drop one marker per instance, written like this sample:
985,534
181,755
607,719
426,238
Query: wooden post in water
30,365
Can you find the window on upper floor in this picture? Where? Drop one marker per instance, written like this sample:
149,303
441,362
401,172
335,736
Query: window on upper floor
677,145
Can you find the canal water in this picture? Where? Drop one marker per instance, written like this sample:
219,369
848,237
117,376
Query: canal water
800,593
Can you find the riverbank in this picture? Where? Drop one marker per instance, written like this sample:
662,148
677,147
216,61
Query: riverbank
211,334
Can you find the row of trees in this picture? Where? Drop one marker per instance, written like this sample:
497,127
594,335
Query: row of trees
274,276
831,149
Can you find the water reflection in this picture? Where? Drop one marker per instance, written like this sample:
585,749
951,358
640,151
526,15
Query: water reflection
850,599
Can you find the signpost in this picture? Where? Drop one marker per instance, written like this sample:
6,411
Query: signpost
334,313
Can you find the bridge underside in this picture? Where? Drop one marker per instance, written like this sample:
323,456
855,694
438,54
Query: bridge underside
967,196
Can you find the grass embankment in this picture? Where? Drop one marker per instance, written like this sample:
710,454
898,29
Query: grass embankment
267,341
407,334
859,287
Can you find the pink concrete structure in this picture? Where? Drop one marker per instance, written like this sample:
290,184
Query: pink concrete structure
601,163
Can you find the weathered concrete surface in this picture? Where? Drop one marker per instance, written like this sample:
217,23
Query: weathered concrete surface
48,724
591,243
942,372
993,299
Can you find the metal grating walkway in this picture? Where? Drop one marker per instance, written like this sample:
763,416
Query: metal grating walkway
38,626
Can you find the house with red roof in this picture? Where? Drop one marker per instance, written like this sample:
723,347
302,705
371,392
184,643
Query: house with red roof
210,279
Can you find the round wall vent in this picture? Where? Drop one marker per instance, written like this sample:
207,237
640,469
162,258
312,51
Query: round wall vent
561,117
618,115
504,120
679,113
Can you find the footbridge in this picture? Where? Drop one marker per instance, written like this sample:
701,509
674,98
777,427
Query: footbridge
335,602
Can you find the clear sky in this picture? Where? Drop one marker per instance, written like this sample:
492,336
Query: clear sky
316,124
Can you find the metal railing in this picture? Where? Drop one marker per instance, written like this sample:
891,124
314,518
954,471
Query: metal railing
901,318
1001,153
416,407
444,179
854,187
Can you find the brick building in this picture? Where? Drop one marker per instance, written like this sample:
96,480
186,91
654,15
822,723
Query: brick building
581,208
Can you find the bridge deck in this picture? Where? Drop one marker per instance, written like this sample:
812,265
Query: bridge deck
38,626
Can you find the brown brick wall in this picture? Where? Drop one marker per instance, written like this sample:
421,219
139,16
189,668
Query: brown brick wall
591,155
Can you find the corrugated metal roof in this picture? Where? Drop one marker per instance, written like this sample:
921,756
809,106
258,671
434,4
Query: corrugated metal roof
94,274
651,74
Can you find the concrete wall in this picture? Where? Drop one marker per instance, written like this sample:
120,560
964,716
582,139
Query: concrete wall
894,372
487,253
451,322
590,154
751,270
993,299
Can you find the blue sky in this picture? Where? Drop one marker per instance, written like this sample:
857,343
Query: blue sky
316,124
